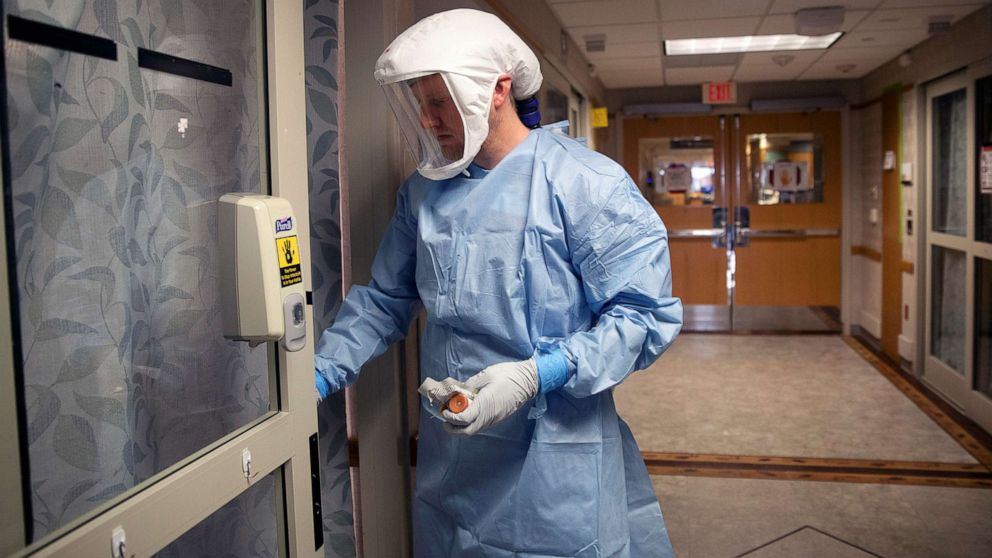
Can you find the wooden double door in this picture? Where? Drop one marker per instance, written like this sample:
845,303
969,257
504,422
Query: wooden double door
752,203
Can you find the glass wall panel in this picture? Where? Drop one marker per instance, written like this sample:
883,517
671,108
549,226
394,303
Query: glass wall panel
947,318
115,175
950,163
677,171
784,168
245,527
983,183
983,326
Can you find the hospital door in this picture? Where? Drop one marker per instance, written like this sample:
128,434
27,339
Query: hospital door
132,426
752,203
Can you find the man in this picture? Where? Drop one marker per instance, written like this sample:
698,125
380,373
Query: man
546,280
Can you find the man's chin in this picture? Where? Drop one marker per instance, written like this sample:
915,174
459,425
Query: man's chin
452,153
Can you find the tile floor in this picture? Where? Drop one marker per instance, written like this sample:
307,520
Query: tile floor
807,396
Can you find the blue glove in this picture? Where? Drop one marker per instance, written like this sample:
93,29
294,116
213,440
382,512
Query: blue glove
323,387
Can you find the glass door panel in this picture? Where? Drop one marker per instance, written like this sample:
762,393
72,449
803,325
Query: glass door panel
983,327
949,177
947,318
116,168
678,162
787,197
246,526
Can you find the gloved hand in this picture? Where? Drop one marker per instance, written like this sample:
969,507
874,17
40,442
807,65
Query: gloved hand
502,389
323,386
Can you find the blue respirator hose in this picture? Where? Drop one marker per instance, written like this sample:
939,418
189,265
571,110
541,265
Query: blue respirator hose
529,112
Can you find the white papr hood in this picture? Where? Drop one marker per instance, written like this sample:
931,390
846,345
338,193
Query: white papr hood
470,49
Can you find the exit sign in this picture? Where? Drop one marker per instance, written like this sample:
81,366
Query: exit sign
719,92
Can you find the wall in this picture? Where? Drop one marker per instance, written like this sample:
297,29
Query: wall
866,236
372,170
321,25
611,142
967,43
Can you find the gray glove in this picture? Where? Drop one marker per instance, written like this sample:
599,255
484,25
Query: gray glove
502,389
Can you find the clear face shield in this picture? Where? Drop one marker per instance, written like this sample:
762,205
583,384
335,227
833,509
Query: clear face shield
430,121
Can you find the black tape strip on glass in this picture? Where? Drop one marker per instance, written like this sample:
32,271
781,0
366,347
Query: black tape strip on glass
183,67
58,37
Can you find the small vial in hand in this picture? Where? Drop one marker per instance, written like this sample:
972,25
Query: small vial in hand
457,403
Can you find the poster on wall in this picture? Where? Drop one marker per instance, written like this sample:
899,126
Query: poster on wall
985,171
678,178
789,176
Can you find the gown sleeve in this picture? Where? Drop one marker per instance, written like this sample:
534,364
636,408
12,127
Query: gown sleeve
374,316
621,253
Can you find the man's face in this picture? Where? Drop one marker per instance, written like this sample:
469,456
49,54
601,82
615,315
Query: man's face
439,115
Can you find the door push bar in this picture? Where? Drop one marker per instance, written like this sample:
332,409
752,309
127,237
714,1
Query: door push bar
740,230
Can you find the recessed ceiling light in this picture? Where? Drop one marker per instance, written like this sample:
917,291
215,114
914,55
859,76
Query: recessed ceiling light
748,43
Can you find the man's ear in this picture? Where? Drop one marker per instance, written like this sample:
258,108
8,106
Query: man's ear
501,93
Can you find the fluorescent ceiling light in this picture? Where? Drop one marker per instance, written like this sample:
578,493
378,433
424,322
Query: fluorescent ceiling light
748,43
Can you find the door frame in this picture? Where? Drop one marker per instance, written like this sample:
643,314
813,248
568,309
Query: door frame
729,135
159,511
935,373
958,389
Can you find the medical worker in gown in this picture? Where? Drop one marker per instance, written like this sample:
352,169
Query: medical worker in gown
546,280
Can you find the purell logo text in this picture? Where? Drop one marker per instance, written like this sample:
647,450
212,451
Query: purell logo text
284,224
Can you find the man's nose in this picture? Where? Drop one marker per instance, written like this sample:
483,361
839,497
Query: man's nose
427,120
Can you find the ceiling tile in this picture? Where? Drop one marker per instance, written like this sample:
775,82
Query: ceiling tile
619,79
786,23
693,76
911,18
605,12
638,63
767,73
860,55
617,34
800,58
830,72
702,28
923,3
676,10
624,50
792,6
903,38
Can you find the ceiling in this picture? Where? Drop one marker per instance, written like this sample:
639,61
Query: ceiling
875,31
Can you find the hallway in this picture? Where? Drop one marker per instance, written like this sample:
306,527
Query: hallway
798,446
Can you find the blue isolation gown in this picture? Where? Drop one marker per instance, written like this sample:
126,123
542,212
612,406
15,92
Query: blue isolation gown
554,249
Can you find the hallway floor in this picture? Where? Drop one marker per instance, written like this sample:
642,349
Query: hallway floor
743,432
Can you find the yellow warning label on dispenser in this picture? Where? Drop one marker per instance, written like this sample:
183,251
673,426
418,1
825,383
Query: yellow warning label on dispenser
289,260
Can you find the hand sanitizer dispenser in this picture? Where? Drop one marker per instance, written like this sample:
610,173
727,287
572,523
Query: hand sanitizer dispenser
263,297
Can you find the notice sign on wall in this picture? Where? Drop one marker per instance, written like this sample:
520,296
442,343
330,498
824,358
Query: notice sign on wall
677,178
600,118
985,170
719,92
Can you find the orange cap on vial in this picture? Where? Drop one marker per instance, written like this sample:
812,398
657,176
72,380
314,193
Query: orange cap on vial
457,403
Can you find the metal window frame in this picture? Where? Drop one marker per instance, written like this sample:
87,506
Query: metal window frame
157,514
